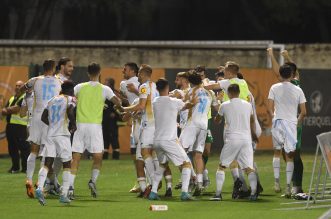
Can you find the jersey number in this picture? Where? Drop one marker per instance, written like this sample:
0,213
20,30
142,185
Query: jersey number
48,91
55,113
202,105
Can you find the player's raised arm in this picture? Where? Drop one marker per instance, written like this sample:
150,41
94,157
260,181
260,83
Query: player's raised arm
274,63
214,86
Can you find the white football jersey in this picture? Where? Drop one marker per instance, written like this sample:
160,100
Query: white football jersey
165,111
28,102
198,115
148,91
44,88
131,96
57,115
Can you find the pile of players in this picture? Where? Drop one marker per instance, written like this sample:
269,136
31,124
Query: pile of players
60,110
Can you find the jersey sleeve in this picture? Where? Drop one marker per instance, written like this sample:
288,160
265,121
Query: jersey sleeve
180,104
271,95
122,86
108,92
77,88
143,91
221,110
29,84
223,83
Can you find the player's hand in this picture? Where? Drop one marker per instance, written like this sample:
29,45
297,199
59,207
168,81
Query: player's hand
119,108
255,138
125,117
131,88
284,53
270,51
220,68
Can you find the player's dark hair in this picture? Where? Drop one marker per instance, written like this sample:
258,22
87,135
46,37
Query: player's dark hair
194,78
147,69
219,74
200,68
133,66
93,69
67,87
110,82
62,61
161,84
293,66
48,65
285,71
234,89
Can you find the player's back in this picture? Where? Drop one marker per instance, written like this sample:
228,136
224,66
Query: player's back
165,113
149,92
286,98
57,115
198,115
45,88
237,113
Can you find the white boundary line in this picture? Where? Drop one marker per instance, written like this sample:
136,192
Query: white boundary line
302,208
326,215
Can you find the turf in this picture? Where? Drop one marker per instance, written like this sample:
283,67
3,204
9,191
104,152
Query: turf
114,200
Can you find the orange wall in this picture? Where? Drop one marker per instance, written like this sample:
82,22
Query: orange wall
260,81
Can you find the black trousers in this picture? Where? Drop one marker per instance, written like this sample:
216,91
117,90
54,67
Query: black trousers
18,147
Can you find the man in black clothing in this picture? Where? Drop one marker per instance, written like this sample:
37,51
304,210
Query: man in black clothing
110,126
16,131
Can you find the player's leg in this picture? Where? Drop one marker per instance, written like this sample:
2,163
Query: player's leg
106,142
168,179
276,167
42,175
198,149
298,165
289,172
74,168
96,167
205,156
30,166
65,182
115,144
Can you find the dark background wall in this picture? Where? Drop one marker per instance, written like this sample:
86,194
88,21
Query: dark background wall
285,21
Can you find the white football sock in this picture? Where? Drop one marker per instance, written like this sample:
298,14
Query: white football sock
220,177
193,174
235,173
72,180
31,163
289,172
205,174
65,182
186,175
199,178
95,174
157,178
276,166
150,169
142,183
252,182
168,179
42,177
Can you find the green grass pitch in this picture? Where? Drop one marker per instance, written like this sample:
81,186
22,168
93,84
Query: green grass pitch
114,200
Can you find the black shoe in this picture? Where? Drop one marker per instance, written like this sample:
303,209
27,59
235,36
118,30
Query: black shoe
168,193
244,194
116,155
236,189
105,156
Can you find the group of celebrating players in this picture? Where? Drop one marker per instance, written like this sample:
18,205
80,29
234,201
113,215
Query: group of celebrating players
65,120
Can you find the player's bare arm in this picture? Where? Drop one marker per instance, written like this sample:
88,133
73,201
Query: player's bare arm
274,63
44,117
72,119
253,129
303,113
